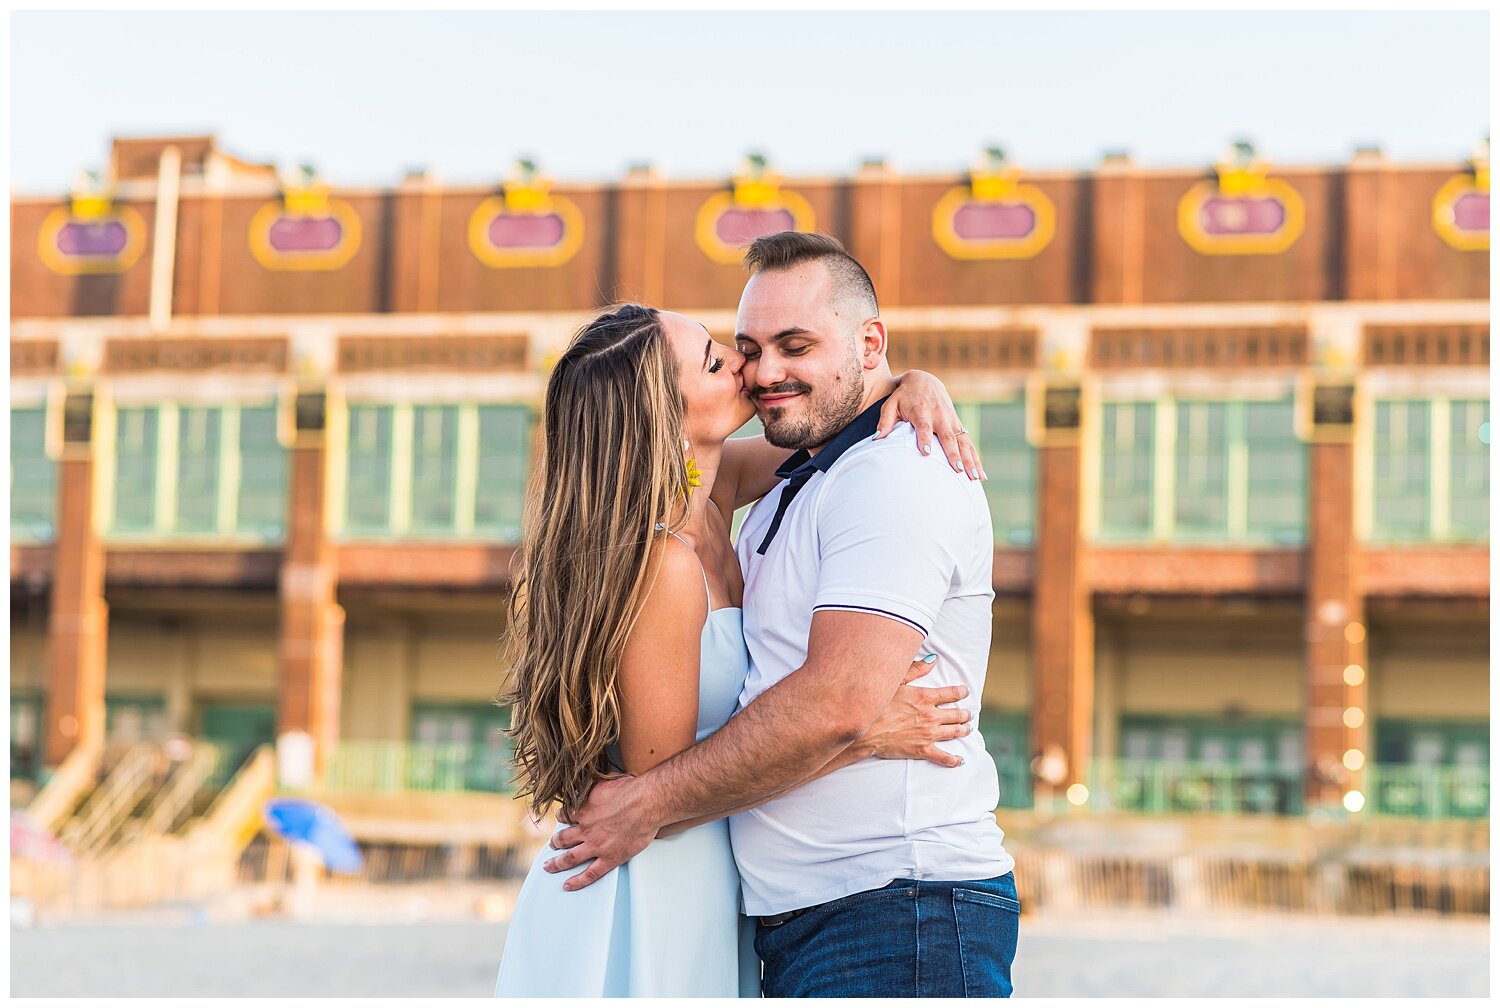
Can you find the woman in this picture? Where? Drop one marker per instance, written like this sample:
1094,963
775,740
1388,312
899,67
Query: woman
625,648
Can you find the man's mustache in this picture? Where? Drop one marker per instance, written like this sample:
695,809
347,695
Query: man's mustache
785,388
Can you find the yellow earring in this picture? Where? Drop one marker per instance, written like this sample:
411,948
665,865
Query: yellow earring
694,474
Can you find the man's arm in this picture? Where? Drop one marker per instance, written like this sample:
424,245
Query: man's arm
909,728
855,662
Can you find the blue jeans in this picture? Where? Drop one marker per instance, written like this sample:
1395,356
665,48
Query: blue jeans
907,939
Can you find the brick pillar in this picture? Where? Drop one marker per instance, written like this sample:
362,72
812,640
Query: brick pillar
640,238
311,621
1372,227
1118,209
1062,616
874,228
80,619
413,255
1336,663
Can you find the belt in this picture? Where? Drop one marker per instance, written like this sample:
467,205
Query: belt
776,920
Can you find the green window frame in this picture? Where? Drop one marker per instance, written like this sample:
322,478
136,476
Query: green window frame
28,726
1127,471
33,477
368,458
436,469
1202,471
261,504
198,468
504,459
135,717
1402,468
1007,738
478,729
135,471
1431,769
181,470
1430,470
998,430
1401,741
1174,763
1469,469
1276,479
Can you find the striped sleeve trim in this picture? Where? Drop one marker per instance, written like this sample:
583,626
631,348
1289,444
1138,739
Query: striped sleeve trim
883,612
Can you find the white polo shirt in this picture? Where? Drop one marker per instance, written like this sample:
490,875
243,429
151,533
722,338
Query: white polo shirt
873,526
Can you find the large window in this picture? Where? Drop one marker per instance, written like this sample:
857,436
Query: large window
998,430
190,470
1188,470
1127,463
436,470
472,734
33,477
1007,738
26,734
1431,769
1199,764
1431,470
500,486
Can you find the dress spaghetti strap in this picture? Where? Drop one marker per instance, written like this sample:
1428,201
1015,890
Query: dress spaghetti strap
701,569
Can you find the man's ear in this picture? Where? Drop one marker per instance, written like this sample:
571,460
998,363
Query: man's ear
873,344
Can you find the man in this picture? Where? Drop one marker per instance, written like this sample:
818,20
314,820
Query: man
885,877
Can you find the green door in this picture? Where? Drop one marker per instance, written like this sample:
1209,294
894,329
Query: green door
26,728
134,717
470,734
1007,737
240,728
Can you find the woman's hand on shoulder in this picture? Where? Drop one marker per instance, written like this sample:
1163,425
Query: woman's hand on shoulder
923,401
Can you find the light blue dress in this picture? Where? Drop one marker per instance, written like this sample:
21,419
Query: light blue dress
666,923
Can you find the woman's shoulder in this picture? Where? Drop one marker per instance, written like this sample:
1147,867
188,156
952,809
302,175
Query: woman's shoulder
679,583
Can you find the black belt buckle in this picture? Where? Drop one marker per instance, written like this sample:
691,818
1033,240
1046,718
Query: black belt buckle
776,920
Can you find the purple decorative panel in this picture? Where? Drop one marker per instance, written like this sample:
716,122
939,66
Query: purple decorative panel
991,221
1223,215
738,226
523,231
305,234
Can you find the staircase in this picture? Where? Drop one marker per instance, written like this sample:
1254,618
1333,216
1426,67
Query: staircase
153,829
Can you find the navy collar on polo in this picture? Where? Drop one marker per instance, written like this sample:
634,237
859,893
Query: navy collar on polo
800,468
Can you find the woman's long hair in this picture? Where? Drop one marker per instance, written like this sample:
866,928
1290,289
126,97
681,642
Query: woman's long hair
611,468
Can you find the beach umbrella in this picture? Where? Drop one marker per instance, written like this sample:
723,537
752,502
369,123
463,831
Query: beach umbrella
298,820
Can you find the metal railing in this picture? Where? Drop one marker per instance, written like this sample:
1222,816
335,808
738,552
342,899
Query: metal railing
1428,792
1158,787
418,766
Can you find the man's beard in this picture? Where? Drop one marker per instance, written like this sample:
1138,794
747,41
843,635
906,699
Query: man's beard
825,416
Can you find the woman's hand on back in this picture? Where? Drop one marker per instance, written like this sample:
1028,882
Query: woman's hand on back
916,719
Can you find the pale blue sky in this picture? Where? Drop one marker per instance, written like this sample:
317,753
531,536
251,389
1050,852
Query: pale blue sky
366,96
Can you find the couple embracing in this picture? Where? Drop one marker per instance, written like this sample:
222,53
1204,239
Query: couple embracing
756,797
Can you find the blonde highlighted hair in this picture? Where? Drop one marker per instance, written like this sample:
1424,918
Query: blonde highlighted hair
611,468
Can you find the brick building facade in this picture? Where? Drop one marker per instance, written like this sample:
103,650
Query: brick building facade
270,438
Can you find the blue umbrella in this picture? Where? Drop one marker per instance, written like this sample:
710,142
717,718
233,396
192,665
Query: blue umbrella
301,821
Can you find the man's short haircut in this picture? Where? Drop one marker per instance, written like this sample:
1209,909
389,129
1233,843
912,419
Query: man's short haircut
785,249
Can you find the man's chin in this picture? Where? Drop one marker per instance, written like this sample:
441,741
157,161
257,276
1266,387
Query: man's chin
782,432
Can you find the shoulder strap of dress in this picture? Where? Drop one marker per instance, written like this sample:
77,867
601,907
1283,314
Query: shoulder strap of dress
701,569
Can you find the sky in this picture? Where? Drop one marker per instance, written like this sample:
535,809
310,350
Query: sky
367,97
